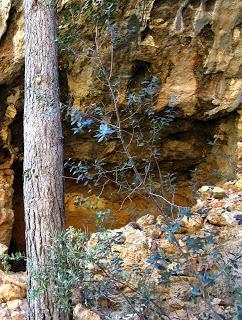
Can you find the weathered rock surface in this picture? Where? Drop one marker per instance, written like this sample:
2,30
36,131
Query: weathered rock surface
4,14
12,288
6,208
194,49
11,37
187,45
136,242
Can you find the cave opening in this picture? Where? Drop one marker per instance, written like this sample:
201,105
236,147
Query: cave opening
192,151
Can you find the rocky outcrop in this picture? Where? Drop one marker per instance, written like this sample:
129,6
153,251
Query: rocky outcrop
187,45
11,37
216,209
194,50
4,14
193,47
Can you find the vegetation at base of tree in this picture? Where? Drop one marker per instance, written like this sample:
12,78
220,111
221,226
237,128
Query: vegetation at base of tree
88,270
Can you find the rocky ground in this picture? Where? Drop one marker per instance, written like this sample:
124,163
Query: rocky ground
218,208
194,50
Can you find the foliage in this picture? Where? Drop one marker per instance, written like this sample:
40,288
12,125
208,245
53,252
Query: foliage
6,259
93,274
89,274
88,269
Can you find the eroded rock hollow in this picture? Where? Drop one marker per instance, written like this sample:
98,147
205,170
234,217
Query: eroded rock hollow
192,47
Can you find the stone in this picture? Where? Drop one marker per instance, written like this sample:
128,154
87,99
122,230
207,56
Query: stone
191,224
6,206
194,50
18,315
216,219
18,279
13,288
10,292
3,249
12,48
183,88
80,82
5,6
24,305
212,192
135,250
178,315
218,193
6,225
4,313
14,304
146,220
80,313
166,246
155,233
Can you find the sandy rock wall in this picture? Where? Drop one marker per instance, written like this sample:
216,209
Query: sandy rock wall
194,49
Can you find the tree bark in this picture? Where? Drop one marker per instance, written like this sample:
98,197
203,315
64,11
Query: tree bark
43,151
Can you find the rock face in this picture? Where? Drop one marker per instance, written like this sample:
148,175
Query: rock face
6,211
138,241
192,47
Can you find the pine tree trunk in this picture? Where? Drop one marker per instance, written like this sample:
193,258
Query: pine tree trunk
43,152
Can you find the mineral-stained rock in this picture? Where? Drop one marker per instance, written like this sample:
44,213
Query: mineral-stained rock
13,310
178,314
17,279
4,313
6,224
194,50
18,315
14,304
212,192
218,193
166,246
12,45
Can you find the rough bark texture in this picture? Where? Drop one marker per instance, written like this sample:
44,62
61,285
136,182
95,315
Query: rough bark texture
43,160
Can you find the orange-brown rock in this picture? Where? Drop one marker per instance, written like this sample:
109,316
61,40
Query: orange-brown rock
194,50
12,287
6,207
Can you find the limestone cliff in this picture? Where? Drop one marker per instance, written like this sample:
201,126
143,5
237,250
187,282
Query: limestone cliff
193,47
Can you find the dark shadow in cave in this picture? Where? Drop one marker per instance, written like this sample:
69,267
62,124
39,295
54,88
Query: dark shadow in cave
18,237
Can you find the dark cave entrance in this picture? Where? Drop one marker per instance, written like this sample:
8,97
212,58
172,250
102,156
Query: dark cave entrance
215,164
